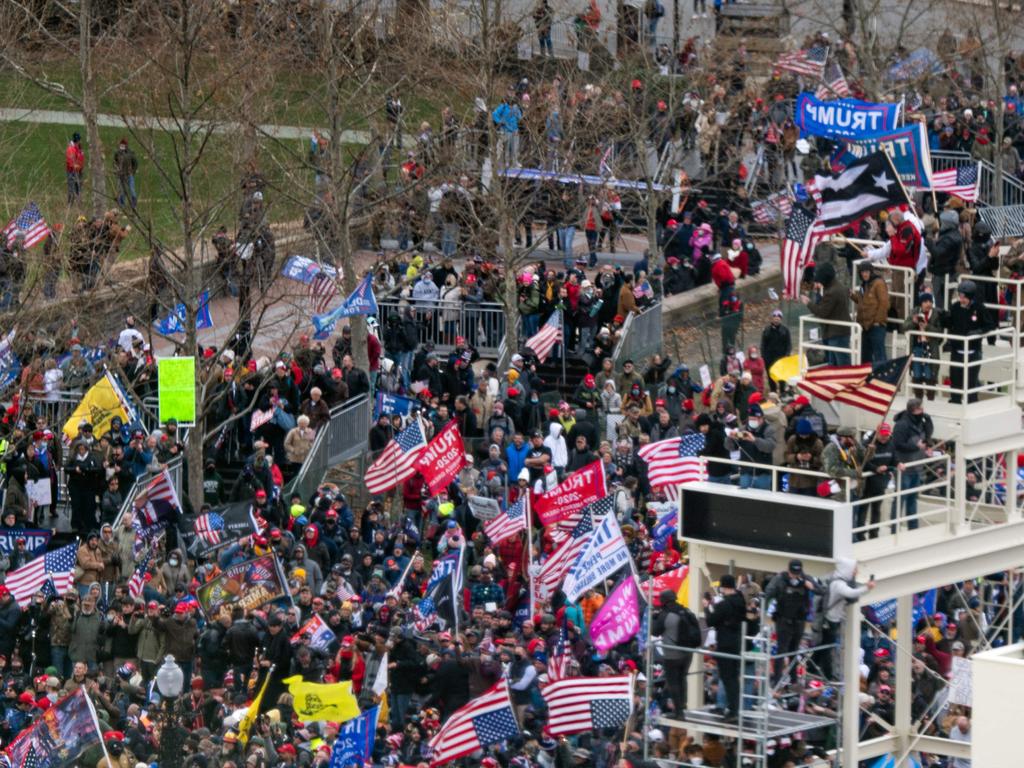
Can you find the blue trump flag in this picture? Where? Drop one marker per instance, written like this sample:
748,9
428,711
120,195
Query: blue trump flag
907,146
393,404
305,269
175,323
360,302
10,365
665,528
843,118
355,740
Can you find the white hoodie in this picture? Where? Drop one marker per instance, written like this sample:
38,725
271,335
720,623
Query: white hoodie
556,444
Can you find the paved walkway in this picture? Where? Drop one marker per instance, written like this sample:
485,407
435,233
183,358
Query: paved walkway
55,117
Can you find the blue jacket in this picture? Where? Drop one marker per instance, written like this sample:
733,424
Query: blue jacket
506,117
516,459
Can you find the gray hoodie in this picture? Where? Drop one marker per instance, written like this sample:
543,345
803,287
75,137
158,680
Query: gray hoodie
841,589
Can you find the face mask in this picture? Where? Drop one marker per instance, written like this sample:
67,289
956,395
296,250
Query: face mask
696,761
754,423
174,561
534,400
671,390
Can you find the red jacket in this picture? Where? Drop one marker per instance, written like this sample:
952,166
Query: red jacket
905,246
373,350
74,158
721,274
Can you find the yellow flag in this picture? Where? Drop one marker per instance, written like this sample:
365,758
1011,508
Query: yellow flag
100,404
322,702
384,713
786,368
246,722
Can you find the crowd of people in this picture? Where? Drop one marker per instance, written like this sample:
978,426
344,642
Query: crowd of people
364,569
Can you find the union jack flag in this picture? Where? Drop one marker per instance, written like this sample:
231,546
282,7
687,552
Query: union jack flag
30,223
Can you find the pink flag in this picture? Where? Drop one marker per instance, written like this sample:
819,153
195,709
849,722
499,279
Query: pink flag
618,619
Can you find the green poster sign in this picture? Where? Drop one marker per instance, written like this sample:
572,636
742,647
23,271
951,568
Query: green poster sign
177,389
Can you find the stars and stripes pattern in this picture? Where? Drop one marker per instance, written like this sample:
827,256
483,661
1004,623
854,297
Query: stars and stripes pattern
588,703
676,460
159,500
827,381
31,758
554,569
961,181
57,566
137,580
597,510
29,222
769,210
508,524
560,658
209,527
834,85
322,291
806,61
550,334
870,388
798,244
344,591
488,719
397,463
424,614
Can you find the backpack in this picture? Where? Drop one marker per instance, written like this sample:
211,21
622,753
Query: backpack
692,637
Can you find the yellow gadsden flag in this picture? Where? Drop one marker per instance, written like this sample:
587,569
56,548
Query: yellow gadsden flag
322,702
247,721
100,404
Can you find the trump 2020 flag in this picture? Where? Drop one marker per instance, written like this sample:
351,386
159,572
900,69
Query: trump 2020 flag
175,322
360,302
316,632
354,744
443,458
604,554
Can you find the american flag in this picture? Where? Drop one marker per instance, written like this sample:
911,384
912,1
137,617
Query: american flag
544,340
961,181
834,85
138,578
829,380
31,758
553,571
558,661
580,704
58,565
397,462
424,614
598,509
486,720
29,222
209,527
158,500
322,290
507,524
798,244
676,460
770,209
344,591
872,392
807,61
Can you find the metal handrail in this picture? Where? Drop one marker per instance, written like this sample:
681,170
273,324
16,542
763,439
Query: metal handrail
853,350
319,458
966,364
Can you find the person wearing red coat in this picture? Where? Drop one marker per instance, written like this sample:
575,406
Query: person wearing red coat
74,164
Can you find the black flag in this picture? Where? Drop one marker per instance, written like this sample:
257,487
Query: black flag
866,186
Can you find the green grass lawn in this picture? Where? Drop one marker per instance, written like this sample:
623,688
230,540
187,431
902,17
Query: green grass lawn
32,168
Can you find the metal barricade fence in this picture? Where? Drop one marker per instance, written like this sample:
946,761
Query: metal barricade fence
439,322
963,364
641,335
1012,187
342,438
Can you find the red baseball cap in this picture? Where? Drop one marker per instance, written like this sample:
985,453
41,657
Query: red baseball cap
801,400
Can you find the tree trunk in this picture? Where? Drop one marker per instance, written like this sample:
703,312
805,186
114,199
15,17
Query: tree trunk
90,110
505,242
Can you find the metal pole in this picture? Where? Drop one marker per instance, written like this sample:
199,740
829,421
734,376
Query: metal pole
904,659
648,664
851,687
529,553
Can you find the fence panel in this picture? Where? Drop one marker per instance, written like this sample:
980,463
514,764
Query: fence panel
642,336
344,437
482,325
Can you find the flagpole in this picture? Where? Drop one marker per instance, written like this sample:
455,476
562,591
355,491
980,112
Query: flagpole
892,165
528,512
647,658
